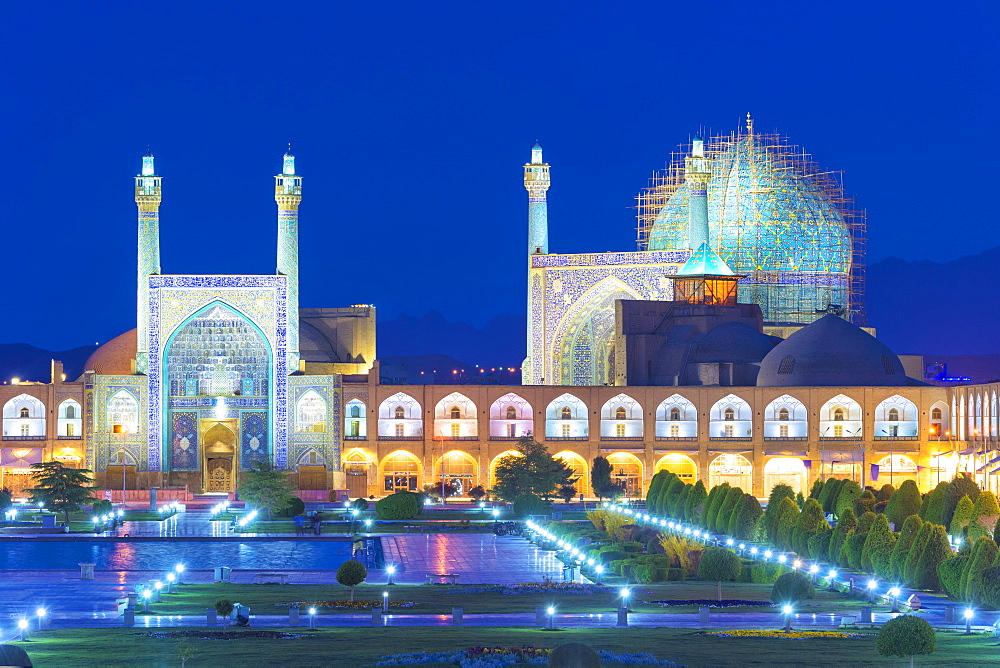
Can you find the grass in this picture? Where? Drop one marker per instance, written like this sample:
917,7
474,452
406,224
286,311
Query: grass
436,600
363,646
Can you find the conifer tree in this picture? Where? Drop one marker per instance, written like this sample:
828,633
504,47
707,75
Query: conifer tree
827,495
877,550
696,503
778,492
706,510
846,493
916,549
885,493
906,535
784,522
845,525
937,550
711,517
961,516
809,521
654,488
668,494
816,488
864,503
726,509
984,555
744,517
985,516
904,502
676,506
935,504
961,485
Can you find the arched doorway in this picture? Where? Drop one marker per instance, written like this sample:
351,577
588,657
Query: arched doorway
732,468
400,471
356,468
458,469
219,446
785,471
680,465
626,472
580,478
894,469
496,460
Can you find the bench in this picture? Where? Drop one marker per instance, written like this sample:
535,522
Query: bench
268,578
434,577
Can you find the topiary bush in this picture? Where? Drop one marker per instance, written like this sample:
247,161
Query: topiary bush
100,507
648,573
294,506
607,556
989,581
399,506
792,587
950,574
766,572
574,655
905,635
529,504
351,573
721,565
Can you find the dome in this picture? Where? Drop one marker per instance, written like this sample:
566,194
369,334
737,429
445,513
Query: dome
734,342
831,352
114,358
314,346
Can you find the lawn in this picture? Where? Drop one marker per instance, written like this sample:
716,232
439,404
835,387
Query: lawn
363,646
437,599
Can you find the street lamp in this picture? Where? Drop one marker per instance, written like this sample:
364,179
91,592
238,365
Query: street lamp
385,601
145,599
170,582
624,592
390,570
787,609
22,625
894,593
968,621
551,612
40,613
871,589
179,568
312,618
158,586
832,577
814,570
599,569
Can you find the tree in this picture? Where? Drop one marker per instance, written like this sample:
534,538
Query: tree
938,549
846,494
903,543
566,493
778,492
400,505
864,503
913,556
533,471
791,588
715,498
696,502
719,564
61,489
184,652
809,521
6,499
659,478
477,493
990,590
265,487
885,493
934,512
876,554
668,493
784,521
819,545
224,608
984,555
903,503
961,516
961,485
744,517
828,495
985,516
677,507
845,525
351,573
905,635
733,496
600,477
816,489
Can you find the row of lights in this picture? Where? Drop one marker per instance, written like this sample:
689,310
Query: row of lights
893,592
220,508
22,623
172,507
171,577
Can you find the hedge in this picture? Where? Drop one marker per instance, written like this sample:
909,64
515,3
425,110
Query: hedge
903,504
984,555
764,572
950,576
399,506
791,588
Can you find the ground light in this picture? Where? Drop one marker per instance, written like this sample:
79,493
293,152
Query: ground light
40,614
312,618
814,571
894,593
159,586
385,601
969,614
832,577
390,570
496,512
871,589
170,582
624,592
22,625
145,599
787,609
552,613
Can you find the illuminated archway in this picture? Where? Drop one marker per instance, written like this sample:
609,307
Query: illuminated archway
626,472
459,469
680,465
400,470
496,460
894,469
896,417
731,418
732,468
676,418
621,418
840,419
455,418
566,418
581,476
355,420
399,416
510,417
789,471
786,418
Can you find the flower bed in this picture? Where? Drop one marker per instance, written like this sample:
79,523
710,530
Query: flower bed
347,605
752,633
496,657
224,635
530,588
712,603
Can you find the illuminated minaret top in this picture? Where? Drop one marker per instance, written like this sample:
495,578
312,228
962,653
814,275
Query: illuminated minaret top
537,182
288,195
147,198
697,172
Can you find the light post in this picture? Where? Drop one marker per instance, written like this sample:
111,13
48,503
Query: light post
390,570
145,599
179,569
40,614
551,613
814,570
170,582
787,609
496,513
312,618
968,621
22,625
158,587
599,569
832,577
871,590
894,593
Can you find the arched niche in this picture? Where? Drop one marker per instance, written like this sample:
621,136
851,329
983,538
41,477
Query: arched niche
511,417
786,418
355,420
680,465
621,418
455,418
789,471
566,418
896,417
731,418
676,418
399,416
840,419
732,468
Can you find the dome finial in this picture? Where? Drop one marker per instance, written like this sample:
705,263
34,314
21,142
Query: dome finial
749,124
288,162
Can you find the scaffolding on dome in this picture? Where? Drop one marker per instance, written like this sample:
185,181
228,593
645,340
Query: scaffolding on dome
775,215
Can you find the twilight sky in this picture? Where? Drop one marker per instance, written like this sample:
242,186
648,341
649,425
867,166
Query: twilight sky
411,120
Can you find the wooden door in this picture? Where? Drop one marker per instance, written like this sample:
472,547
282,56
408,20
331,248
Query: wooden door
220,475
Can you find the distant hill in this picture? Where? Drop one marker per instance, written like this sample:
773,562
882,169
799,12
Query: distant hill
24,361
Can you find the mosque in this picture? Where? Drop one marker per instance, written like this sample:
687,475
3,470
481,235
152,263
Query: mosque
729,347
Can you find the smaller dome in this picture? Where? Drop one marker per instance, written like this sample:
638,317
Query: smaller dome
831,352
114,358
734,342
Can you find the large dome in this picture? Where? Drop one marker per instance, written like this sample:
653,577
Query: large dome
114,358
831,352
734,342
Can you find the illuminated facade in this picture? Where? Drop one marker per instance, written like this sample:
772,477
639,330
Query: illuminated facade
758,203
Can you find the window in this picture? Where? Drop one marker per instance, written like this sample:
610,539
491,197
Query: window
936,414
511,430
456,414
455,430
511,413
311,414
783,414
69,429
355,411
566,413
565,431
24,412
894,430
783,431
619,430
399,413
838,414
24,430
620,413
399,430
786,365
71,412
675,430
675,414
893,415
888,366
727,431
729,414
838,431
354,429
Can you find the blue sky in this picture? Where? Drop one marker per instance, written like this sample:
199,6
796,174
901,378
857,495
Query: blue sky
411,121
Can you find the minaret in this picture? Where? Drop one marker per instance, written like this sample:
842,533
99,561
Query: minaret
147,199
697,173
288,195
537,181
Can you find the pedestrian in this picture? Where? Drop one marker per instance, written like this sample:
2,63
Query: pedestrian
317,524
300,525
